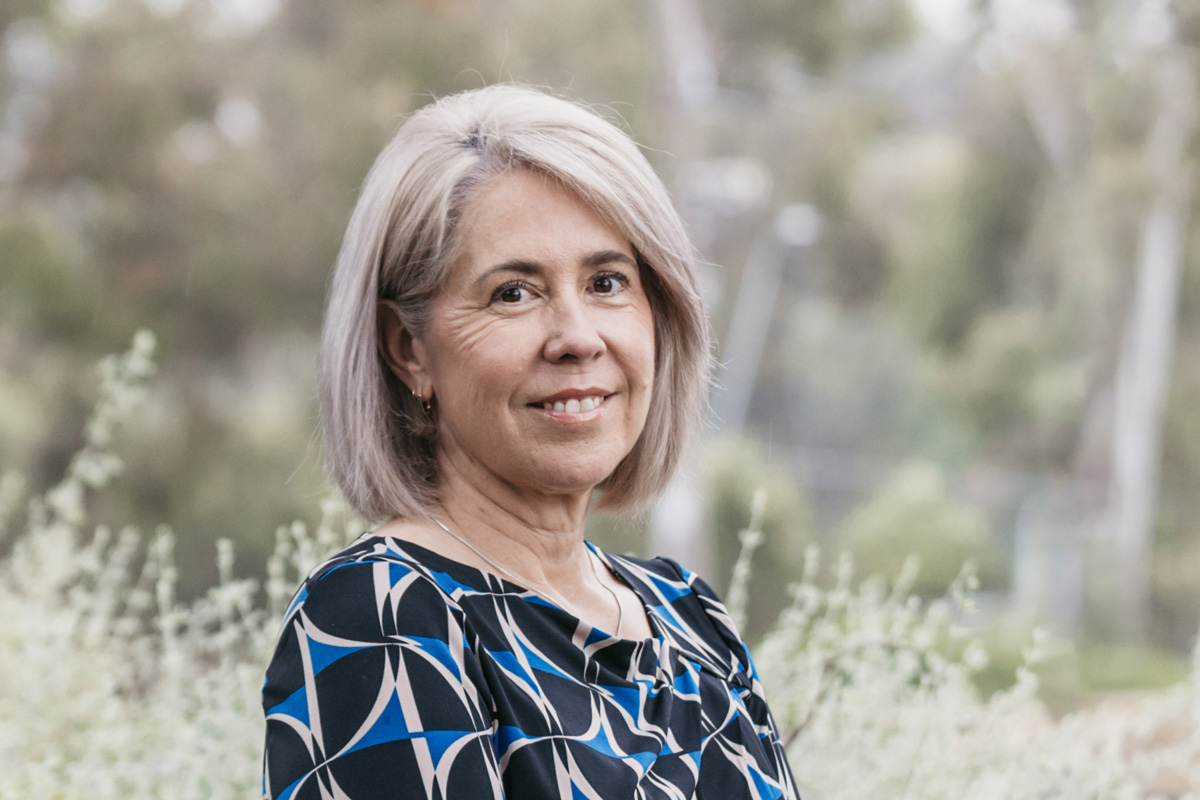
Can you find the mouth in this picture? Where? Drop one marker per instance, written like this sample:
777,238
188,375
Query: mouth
573,401
574,406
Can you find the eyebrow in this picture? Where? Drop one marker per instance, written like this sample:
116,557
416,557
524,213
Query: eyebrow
602,257
525,267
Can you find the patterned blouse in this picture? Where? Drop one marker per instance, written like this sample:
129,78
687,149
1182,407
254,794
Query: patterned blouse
400,673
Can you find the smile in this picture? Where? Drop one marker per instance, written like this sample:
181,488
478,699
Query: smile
574,406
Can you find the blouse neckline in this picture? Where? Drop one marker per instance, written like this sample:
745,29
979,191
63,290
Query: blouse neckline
481,578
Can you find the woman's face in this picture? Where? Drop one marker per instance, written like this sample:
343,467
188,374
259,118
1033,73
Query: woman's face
540,351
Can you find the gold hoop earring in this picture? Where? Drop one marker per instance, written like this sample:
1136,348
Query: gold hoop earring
426,405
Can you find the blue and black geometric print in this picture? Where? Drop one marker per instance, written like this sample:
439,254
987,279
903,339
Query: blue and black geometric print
400,673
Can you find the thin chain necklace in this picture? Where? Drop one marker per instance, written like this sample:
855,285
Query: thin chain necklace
592,559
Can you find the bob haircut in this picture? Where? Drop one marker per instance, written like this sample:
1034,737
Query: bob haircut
380,449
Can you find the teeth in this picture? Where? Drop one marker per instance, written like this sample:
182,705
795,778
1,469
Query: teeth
574,406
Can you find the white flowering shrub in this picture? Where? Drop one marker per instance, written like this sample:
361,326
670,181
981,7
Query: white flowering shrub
872,691
112,688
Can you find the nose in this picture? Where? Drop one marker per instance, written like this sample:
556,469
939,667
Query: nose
573,333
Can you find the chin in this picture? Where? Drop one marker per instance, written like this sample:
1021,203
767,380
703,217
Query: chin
565,479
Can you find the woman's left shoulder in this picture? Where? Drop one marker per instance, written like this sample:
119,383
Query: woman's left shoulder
671,579
685,600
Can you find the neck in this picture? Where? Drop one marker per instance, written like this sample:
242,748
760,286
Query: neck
536,535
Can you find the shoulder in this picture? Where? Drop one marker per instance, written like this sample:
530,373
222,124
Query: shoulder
669,580
373,664
686,601
365,600
371,592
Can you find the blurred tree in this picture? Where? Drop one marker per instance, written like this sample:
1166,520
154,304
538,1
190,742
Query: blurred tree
913,514
189,167
980,175
1004,189
734,469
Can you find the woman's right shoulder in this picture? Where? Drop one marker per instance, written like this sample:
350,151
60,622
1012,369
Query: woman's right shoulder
376,575
369,549
373,648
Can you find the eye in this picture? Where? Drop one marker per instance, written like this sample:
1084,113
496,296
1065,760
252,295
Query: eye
609,283
511,293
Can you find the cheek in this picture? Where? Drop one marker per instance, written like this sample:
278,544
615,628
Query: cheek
482,357
483,381
644,344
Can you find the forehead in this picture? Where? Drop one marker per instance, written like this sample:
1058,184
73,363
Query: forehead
528,215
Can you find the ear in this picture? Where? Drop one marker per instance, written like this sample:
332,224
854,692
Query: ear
401,351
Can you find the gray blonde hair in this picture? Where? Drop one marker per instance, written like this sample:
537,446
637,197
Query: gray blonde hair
399,245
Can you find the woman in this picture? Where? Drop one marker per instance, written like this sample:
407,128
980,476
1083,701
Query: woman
514,327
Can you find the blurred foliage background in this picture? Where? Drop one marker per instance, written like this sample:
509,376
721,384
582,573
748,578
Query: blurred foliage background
950,258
